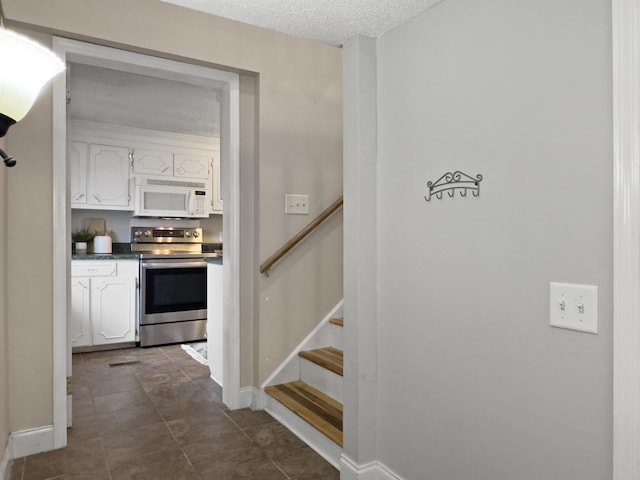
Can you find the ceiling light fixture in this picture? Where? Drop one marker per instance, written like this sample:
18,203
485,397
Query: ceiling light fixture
27,67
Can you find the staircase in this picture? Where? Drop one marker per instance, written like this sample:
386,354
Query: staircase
305,394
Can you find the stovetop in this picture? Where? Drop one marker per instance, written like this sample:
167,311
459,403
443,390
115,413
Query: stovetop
160,254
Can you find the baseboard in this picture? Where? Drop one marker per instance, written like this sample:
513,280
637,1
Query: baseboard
216,380
349,470
258,399
246,397
5,460
33,440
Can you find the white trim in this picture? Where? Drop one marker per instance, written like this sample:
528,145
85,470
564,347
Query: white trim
79,52
349,470
61,261
32,441
230,179
626,234
245,397
8,456
259,400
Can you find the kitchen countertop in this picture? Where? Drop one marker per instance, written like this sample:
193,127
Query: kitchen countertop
106,256
122,251
214,260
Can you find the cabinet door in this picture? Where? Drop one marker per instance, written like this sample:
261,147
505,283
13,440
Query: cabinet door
113,310
80,319
108,177
216,193
152,162
191,166
78,153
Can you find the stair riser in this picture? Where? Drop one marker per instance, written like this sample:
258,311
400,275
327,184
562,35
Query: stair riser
336,333
318,377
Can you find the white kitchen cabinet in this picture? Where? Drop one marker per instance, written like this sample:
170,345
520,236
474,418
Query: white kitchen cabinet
99,176
79,328
103,299
106,159
78,155
215,330
192,165
152,162
108,177
216,193
113,308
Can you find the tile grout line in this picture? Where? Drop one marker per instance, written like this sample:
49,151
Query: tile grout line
180,447
282,471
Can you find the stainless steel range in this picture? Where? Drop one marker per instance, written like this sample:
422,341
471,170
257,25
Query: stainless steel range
173,284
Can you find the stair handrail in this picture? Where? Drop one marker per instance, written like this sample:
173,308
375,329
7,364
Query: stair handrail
282,251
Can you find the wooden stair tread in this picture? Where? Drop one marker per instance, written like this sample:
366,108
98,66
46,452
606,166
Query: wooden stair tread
328,357
337,321
320,411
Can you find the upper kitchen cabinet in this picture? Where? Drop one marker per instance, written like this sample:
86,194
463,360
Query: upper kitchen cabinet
192,166
216,192
99,176
106,160
108,176
152,162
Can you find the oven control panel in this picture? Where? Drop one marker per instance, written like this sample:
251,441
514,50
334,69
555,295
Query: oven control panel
166,235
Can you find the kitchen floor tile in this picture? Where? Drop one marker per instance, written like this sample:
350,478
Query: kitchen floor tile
162,418
121,400
81,457
15,469
124,447
162,464
82,407
127,419
120,384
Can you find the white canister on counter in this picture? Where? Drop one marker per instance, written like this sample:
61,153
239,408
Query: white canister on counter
101,244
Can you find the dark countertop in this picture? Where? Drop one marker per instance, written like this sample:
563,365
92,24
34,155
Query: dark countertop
214,260
106,256
122,251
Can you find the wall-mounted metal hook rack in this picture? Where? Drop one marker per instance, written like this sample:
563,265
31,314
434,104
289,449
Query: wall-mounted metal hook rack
450,182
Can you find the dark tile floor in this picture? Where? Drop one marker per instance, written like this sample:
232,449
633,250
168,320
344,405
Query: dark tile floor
163,418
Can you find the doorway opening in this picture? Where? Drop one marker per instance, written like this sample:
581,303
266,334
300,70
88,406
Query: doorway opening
88,58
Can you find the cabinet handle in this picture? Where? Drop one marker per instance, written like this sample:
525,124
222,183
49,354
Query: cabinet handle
165,169
80,196
97,198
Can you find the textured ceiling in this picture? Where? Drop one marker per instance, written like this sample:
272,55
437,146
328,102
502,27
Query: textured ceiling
328,21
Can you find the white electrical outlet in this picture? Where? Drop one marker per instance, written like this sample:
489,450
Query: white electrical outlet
296,204
574,307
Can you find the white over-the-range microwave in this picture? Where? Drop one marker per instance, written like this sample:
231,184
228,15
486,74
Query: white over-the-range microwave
156,197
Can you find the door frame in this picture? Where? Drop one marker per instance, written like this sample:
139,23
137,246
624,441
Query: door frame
626,238
80,52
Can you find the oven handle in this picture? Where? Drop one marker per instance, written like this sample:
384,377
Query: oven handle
171,264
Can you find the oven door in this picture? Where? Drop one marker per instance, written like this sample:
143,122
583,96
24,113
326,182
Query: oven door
172,290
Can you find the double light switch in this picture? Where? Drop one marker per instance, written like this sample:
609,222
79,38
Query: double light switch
573,306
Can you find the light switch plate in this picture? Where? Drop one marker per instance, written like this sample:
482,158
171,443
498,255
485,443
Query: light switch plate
296,204
574,307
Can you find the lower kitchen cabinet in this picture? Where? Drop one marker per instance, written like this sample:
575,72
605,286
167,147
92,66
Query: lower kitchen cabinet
103,302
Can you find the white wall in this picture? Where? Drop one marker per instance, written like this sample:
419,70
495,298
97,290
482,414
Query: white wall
472,382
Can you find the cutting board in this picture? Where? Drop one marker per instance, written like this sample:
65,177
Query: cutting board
95,225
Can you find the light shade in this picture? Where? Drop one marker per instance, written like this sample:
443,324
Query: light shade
25,68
